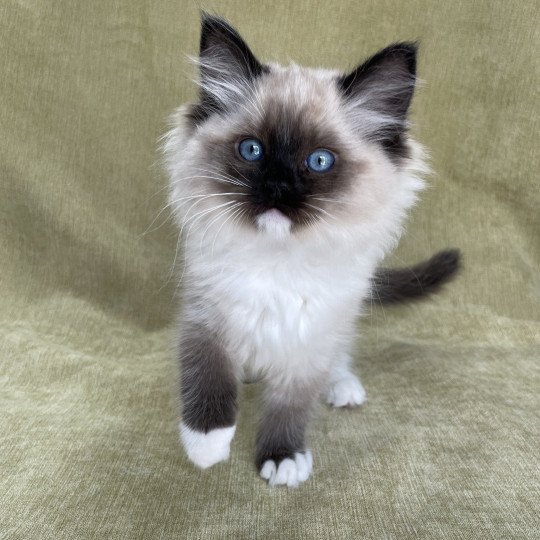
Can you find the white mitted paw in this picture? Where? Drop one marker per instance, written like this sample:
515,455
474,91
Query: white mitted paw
207,449
289,472
346,392
344,388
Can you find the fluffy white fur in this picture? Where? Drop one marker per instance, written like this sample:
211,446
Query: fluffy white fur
285,303
283,297
344,388
207,449
290,472
274,223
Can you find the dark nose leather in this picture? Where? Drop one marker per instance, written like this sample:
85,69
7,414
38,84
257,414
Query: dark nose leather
279,186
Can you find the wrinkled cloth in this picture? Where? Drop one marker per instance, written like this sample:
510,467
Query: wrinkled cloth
446,445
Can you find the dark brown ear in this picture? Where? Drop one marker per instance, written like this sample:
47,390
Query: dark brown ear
382,88
227,66
222,43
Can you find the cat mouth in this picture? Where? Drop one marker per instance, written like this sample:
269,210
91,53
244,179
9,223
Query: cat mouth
274,223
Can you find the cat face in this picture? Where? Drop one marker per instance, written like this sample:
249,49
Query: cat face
280,150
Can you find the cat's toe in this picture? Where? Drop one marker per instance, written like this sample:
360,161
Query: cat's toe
346,392
290,471
207,449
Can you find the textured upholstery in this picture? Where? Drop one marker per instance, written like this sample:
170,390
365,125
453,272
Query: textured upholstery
446,445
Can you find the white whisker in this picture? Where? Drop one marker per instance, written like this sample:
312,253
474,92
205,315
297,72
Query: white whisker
324,199
222,176
213,220
319,209
219,230
188,198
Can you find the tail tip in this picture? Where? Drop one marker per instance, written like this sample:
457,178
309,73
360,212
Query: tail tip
447,263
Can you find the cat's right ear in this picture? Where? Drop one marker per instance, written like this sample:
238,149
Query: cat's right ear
227,66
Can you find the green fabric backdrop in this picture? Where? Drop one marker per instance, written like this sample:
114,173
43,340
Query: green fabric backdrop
446,445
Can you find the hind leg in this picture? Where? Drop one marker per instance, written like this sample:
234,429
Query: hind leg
344,388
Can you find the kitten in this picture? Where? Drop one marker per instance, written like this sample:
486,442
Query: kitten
289,185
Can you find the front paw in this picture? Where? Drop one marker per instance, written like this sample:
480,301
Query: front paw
346,392
207,449
289,471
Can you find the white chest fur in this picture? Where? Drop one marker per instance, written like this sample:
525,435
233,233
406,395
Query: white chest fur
281,303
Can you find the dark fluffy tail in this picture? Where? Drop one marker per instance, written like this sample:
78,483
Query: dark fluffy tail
393,285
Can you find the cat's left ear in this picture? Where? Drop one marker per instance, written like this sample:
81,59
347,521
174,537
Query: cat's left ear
378,94
227,65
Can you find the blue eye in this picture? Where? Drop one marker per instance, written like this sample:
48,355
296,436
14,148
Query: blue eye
251,149
321,160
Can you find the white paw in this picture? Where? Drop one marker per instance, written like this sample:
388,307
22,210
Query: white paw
346,392
207,449
289,472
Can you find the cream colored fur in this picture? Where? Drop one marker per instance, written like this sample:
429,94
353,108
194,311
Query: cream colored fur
286,302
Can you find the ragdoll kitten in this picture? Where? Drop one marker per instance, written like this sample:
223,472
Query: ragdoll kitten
289,185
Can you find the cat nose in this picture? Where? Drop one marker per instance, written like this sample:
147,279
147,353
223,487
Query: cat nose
280,190
281,186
